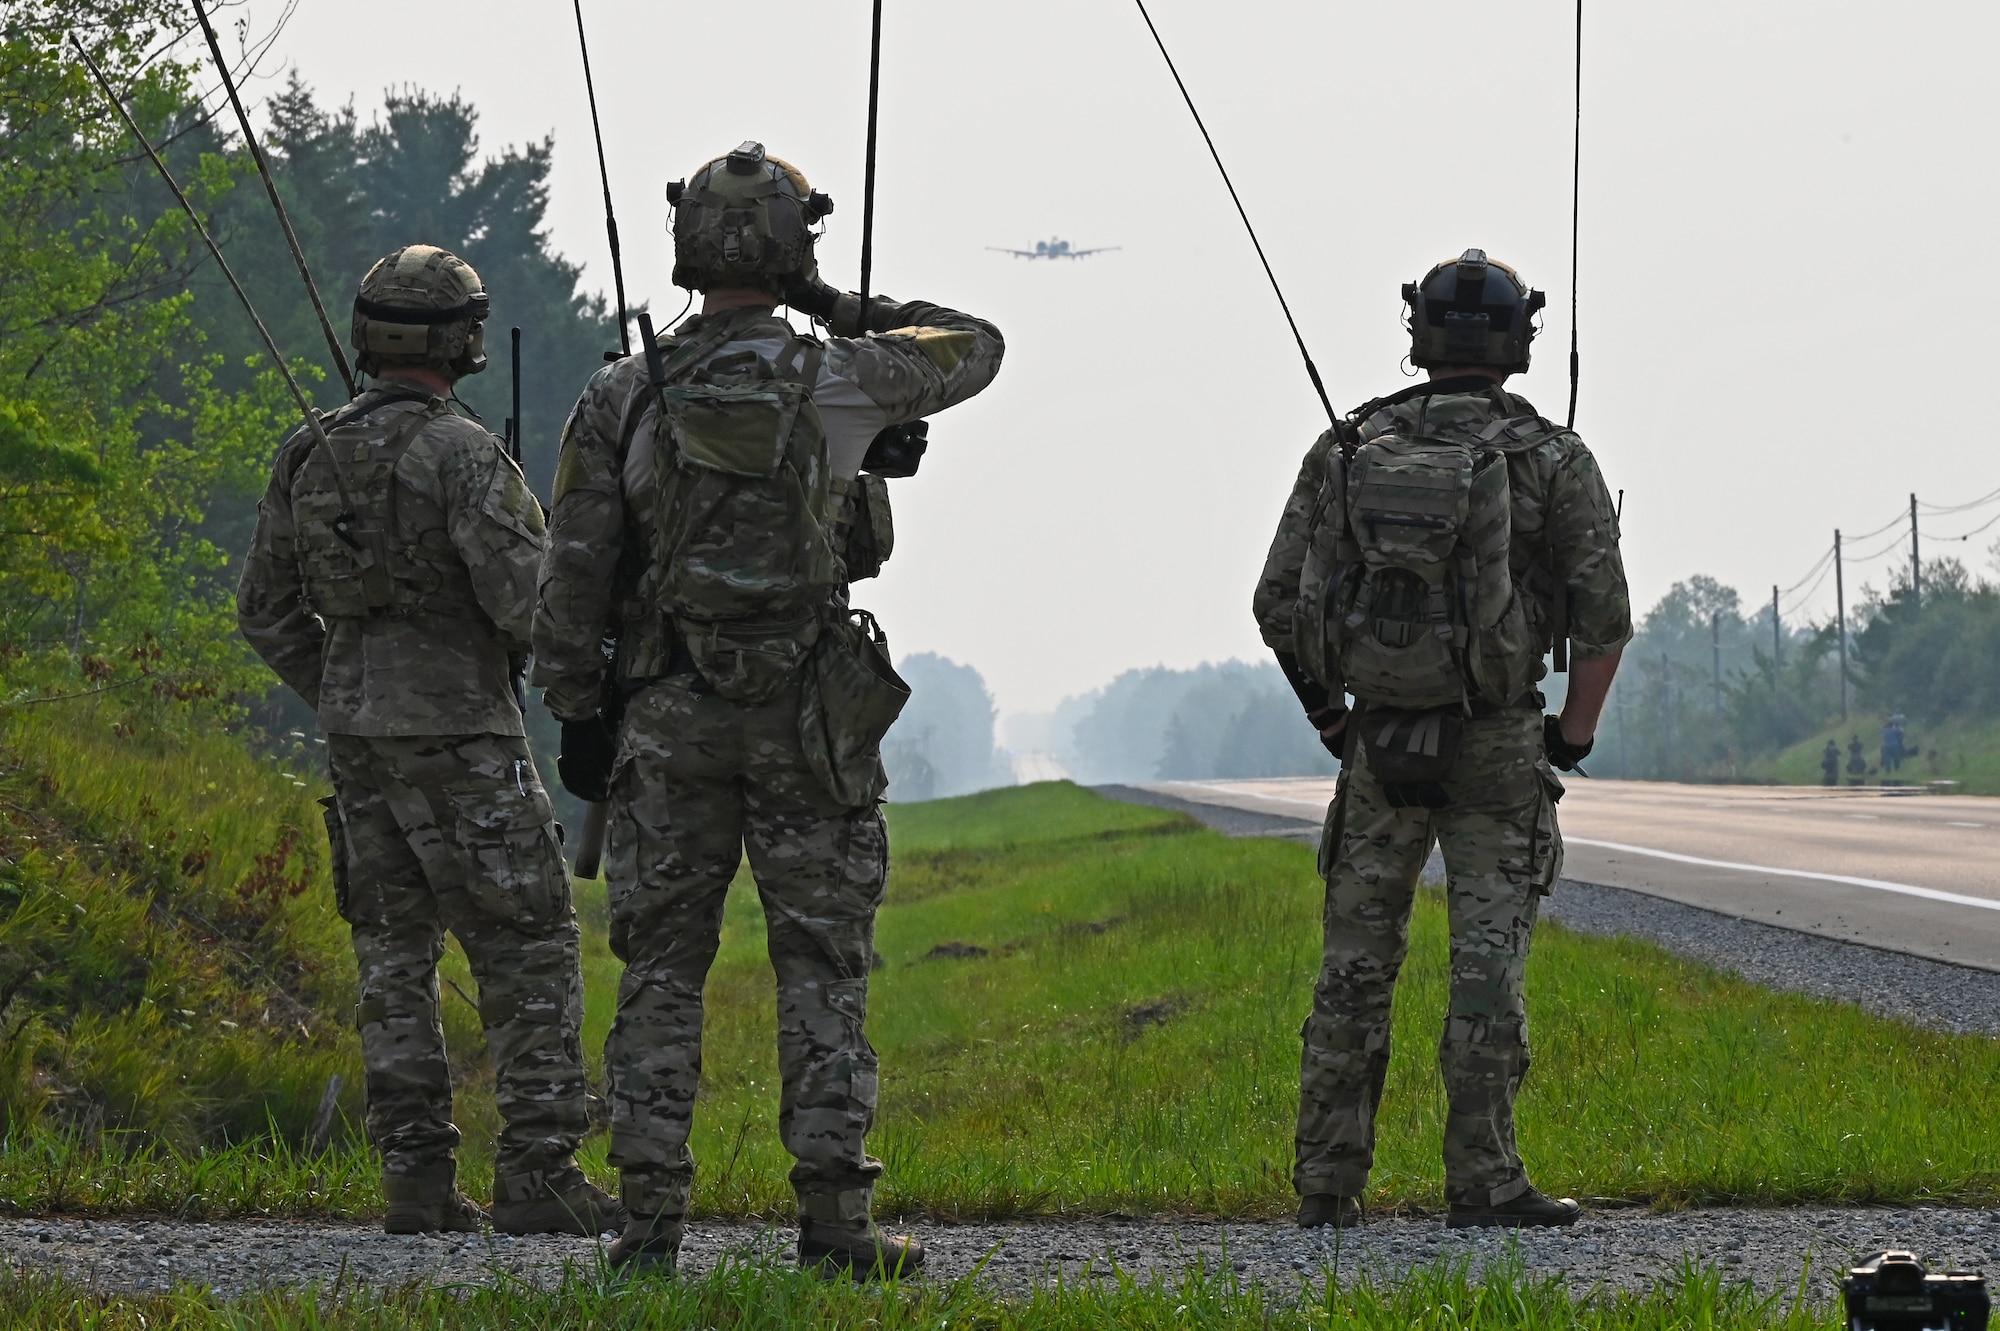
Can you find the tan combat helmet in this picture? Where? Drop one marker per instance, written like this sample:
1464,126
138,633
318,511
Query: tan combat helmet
1472,310
745,219
421,305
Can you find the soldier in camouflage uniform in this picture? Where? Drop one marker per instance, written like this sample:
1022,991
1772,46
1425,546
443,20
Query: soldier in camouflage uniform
391,584
661,539
1492,806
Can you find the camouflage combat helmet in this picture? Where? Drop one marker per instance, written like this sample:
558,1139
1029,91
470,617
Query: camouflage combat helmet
421,305
1472,310
745,219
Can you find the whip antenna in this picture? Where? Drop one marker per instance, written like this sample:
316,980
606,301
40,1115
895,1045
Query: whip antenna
604,178
277,205
298,396
868,169
1575,203
1312,371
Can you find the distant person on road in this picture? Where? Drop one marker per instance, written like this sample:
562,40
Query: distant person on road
391,584
1893,751
1829,764
1857,761
1417,567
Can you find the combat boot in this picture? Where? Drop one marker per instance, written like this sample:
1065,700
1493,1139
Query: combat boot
428,1203
836,1234
1530,1210
650,1245
559,1202
1328,1210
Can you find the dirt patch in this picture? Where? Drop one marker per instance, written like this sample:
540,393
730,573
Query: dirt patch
956,952
1156,1013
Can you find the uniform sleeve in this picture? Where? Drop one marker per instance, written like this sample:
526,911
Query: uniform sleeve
1278,588
270,599
908,360
496,525
575,608
1583,533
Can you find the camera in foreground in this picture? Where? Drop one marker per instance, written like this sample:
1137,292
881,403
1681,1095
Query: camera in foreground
1892,1292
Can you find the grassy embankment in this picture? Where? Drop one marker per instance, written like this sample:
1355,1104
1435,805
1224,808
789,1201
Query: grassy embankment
752,1297
1968,753
1082,1007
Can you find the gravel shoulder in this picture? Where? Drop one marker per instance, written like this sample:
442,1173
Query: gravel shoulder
1622,1249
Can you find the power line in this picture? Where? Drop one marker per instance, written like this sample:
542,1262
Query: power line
1980,502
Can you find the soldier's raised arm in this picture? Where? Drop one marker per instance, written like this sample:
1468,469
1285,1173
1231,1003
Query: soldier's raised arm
892,363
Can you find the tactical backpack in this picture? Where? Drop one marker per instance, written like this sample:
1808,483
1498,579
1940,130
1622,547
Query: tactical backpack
345,504
745,530
1408,598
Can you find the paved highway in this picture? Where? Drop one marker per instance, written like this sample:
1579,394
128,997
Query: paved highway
1913,873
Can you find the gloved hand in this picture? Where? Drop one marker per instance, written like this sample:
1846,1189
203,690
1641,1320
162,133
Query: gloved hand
1331,723
588,750
897,450
805,293
1562,753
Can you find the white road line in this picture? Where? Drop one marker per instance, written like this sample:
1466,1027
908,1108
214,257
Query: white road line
1904,889
1950,824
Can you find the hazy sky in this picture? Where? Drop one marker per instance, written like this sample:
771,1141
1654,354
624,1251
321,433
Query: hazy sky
1786,255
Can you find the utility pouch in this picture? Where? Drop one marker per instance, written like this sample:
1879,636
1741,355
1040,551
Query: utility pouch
1334,827
749,662
1411,753
852,695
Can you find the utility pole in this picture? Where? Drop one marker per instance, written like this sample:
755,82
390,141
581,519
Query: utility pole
1715,643
1840,621
1916,564
1667,706
1777,637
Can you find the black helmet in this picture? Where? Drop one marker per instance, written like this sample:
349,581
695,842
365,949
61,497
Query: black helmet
744,219
1472,310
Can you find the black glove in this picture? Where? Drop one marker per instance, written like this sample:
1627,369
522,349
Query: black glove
897,450
1561,752
1331,723
588,749
808,295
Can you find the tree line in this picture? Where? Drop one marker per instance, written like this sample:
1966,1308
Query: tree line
138,413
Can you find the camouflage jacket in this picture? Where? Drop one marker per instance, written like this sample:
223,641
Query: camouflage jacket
1560,506
414,671
914,360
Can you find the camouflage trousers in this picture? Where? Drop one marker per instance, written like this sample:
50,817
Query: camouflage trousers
700,781
456,832
1502,852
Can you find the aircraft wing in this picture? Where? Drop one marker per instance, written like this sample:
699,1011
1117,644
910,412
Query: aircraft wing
1100,249
1019,254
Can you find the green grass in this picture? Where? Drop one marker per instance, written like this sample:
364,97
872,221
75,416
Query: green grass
1965,752
1082,1007
750,1296
170,965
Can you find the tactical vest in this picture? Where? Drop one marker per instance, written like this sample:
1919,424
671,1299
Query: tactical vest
745,559
1408,596
355,557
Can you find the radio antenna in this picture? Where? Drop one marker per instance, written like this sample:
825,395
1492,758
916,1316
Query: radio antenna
1575,208
604,178
868,169
1312,371
277,205
201,229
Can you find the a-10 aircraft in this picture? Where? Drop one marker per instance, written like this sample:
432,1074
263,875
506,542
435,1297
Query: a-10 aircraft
1051,249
